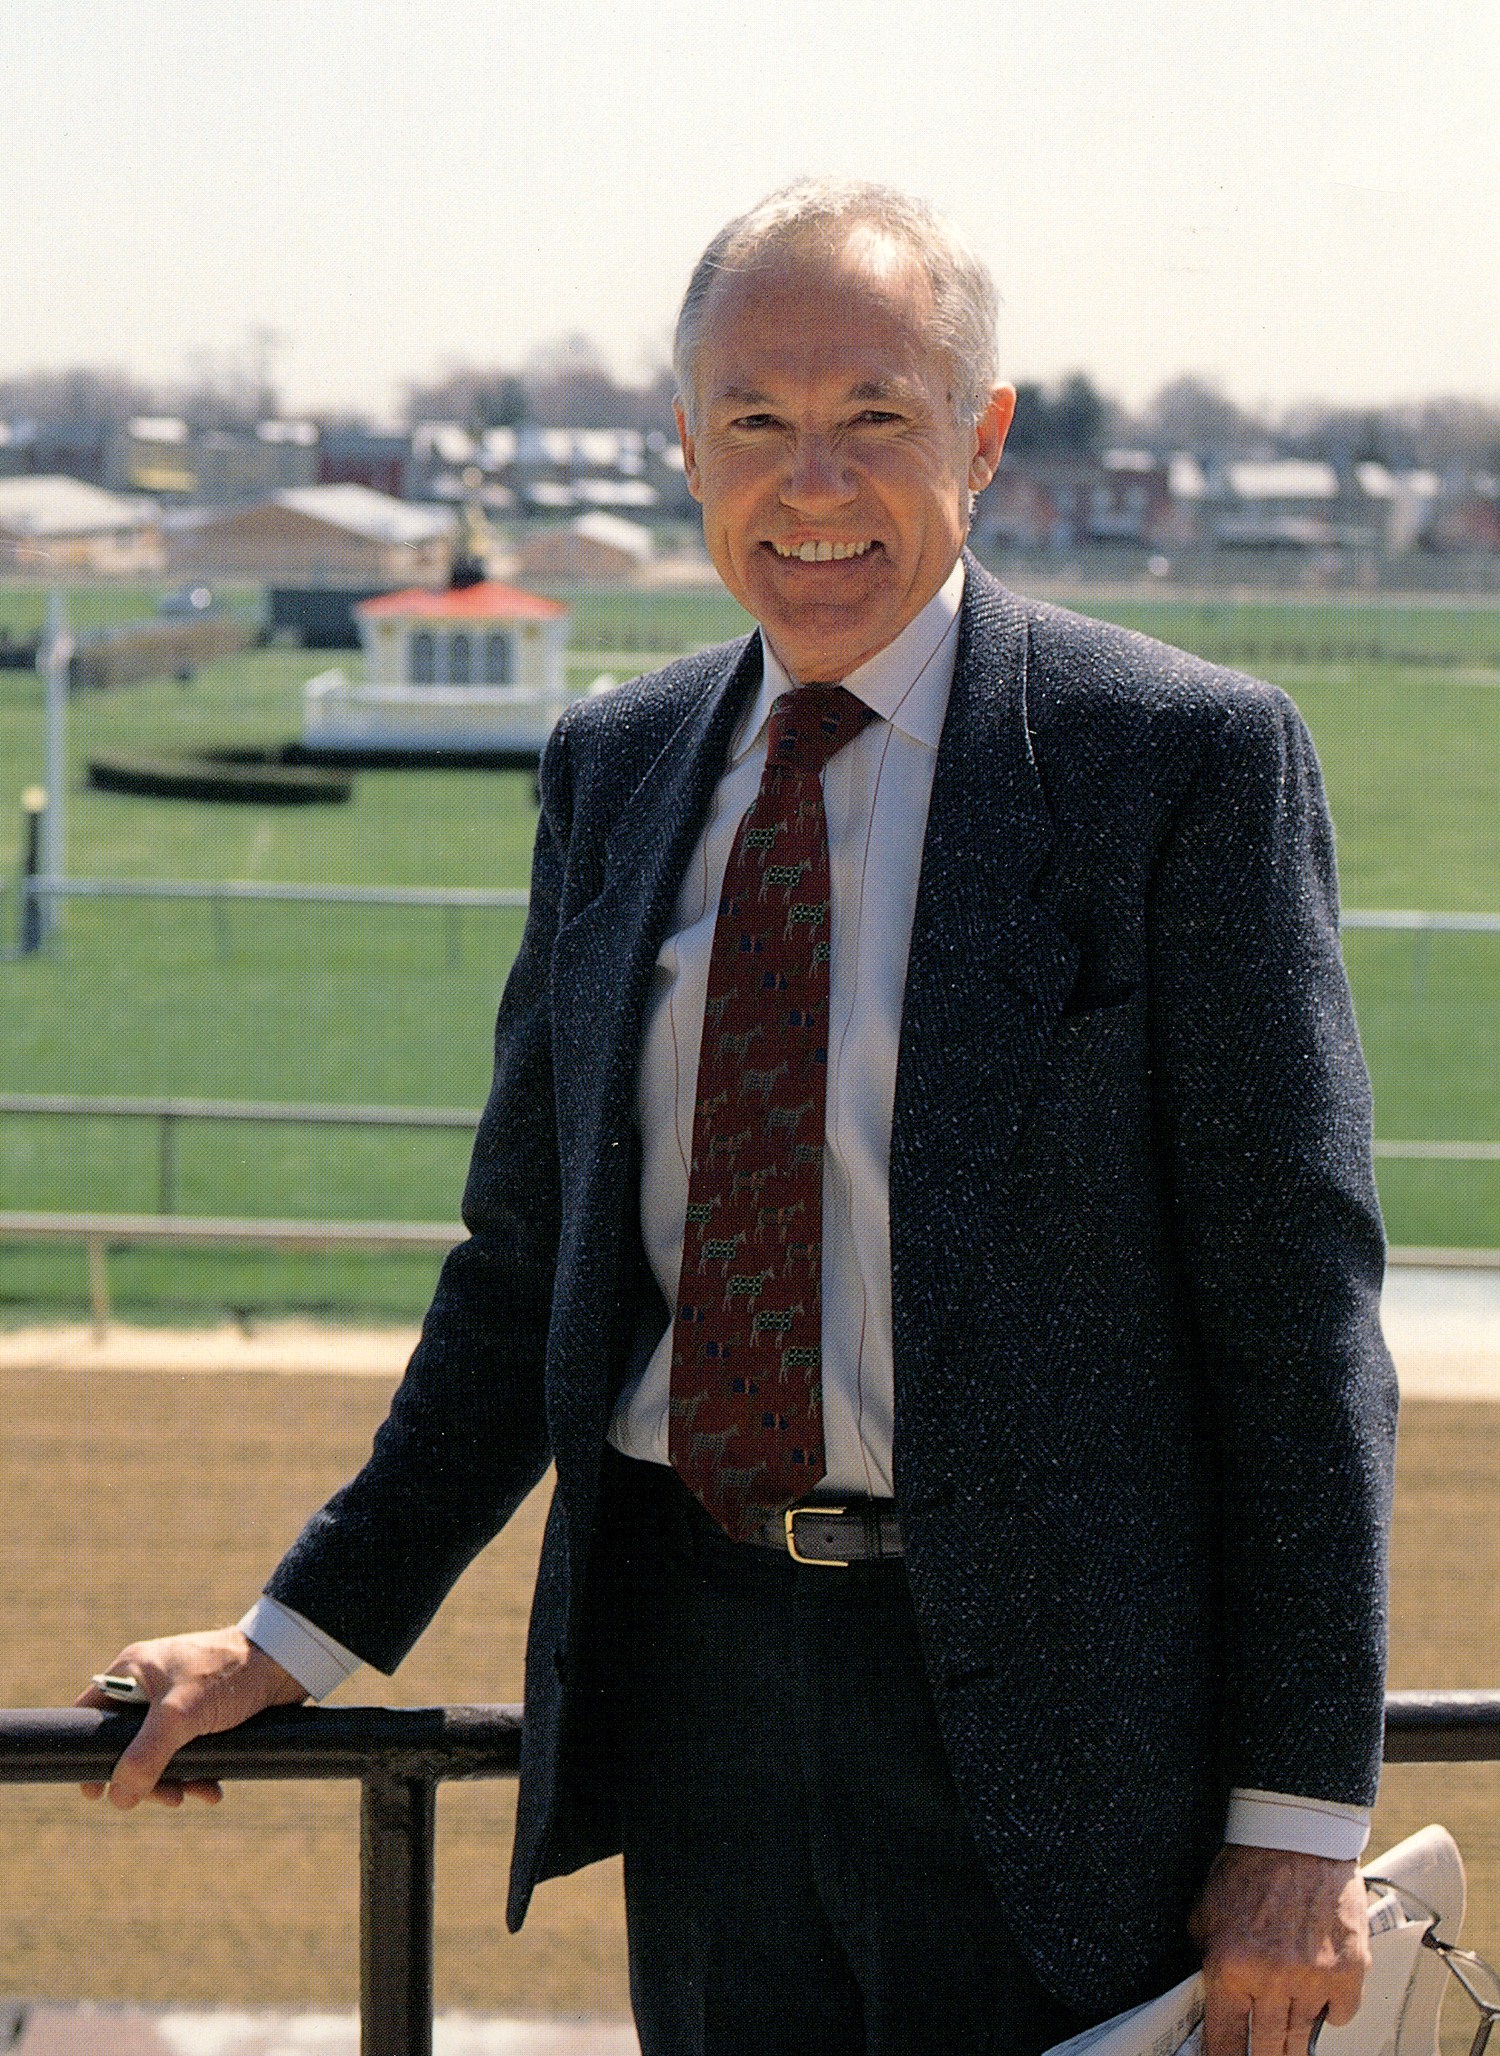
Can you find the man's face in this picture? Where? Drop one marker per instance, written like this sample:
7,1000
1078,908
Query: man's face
833,475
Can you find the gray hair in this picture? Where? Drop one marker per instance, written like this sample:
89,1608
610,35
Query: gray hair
824,212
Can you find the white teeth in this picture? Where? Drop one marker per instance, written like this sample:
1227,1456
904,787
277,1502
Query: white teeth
822,552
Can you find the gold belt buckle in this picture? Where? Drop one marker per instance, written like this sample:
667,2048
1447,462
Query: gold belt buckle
826,1563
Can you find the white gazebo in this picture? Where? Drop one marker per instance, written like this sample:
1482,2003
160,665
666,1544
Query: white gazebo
474,671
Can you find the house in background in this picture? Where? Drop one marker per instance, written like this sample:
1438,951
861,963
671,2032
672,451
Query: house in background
1276,503
153,453
376,458
1036,502
233,465
61,524
595,546
56,449
1468,517
318,535
474,673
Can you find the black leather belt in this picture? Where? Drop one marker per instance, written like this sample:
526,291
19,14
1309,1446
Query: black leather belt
836,1535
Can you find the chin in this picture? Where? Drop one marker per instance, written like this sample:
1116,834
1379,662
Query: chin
834,657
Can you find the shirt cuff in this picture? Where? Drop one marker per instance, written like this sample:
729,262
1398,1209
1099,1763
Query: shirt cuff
1311,1827
315,1660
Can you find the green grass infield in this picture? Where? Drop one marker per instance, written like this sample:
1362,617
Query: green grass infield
373,1005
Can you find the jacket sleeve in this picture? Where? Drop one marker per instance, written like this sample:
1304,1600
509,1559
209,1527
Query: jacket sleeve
466,1437
1264,1109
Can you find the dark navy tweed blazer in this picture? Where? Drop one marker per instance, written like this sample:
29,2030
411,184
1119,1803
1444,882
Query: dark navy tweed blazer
1144,1414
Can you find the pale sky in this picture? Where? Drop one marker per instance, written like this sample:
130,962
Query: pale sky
1296,198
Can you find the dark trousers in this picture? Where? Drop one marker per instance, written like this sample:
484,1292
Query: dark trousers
798,1873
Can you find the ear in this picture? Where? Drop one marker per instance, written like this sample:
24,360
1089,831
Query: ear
689,460
990,431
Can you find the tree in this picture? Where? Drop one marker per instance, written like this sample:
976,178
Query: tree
1345,436
1189,413
98,394
231,388
1451,432
568,385
1066,421
477,398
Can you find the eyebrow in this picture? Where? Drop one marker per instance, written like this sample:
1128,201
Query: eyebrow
883,389
867,389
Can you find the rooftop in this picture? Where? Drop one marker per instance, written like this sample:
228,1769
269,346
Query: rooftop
67,506
376,516
489,601
1283,478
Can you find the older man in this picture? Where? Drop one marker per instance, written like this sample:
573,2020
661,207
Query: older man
924,1212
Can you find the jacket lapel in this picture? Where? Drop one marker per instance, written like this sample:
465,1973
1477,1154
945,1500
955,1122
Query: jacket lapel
602,961
603,955
989,969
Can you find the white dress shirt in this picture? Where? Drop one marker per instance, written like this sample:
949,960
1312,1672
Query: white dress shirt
875,796
876,793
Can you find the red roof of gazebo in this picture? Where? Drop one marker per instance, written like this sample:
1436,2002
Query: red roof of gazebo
489,601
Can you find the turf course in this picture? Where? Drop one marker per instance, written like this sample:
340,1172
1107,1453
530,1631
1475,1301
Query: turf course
393,1006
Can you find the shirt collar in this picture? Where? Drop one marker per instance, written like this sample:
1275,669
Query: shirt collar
907,683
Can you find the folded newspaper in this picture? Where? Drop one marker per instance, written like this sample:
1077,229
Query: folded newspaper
1403,1989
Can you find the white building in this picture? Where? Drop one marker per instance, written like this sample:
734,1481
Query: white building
593,547
62,524
1278,500
315,535
474,671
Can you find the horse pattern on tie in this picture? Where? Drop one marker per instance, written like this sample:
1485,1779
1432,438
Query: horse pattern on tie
745,1424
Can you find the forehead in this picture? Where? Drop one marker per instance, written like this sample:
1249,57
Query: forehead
810,319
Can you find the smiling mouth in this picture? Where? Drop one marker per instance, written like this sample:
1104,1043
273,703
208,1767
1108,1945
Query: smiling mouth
823,552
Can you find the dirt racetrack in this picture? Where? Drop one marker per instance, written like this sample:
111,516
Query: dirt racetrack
134,1500
133,1503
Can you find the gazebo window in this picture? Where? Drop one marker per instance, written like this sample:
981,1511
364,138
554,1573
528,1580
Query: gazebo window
423,658
497,660
458,659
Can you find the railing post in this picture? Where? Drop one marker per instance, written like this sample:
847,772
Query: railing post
98,1286
396,1834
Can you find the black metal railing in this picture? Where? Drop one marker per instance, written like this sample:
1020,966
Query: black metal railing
400,1756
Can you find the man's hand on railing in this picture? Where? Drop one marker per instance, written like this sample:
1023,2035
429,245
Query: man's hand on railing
198,1685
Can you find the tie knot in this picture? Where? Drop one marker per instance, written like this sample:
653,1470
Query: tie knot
811,724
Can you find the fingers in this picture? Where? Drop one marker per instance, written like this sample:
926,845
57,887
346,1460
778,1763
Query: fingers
1256,2009
197,1685
1285,1945
1277,2031
1235,2026
1270,2030
1344,1989
166,1792
1226,2020
138,1773
92,1696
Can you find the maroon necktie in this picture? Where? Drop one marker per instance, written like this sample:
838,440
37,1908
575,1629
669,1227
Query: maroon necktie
746,1419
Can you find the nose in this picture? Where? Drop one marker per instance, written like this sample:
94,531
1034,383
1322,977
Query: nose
817,476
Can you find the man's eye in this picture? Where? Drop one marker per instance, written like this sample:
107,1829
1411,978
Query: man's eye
876,417
755,421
